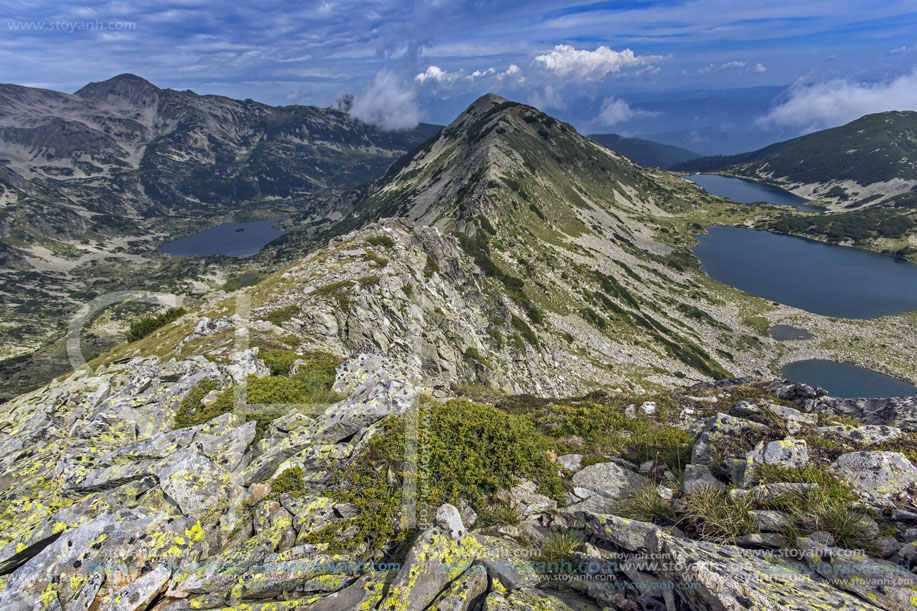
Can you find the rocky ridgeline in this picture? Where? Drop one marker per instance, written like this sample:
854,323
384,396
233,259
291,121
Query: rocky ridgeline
104,504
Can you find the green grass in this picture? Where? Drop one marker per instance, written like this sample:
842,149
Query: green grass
282,315
146,325
339,291
381,240
430,268
647,505
713,516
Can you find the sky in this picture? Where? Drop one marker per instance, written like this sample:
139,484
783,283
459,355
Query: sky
629,66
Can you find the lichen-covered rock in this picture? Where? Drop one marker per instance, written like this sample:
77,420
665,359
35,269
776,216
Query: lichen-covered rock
507,562
464,593
708,576
138,595
719,428
609,482
435,559
536,600
376,389
699,477
880,477
888,585
622,533
867,435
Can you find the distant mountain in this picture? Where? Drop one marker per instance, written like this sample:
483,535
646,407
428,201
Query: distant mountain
645,152
92,182
872,160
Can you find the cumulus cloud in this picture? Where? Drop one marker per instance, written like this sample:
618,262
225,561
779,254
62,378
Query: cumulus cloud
615,110
813,106
569,62
388,103
443,78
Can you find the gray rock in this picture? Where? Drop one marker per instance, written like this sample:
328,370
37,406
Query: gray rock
435,559
449,521
868,435
622,533
139,594
889,585
699,477
610,482
879,476
244,364
507,562
709,576
720,427
571,462
523,497
464,593
898,412
769,521
789,452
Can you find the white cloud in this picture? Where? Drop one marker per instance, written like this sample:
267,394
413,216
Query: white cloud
435,74
549,97
566,61
388,102
615,110
813,106
733,65
443,78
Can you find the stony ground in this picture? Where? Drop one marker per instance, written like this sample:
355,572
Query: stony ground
770,496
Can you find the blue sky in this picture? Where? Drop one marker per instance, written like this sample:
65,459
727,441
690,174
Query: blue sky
586,62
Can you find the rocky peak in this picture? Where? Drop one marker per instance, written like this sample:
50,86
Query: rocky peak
124,88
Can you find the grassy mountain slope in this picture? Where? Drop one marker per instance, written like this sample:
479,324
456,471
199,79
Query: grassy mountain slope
592,251
91,183
645,152
870,161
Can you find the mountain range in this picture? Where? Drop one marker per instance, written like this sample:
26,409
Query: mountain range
493,377
645,152
867,162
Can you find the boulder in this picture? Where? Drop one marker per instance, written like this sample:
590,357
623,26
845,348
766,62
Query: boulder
138,595
699,477
867,435
609,482
709,576
719,428
880,477
464,593
889,585
439,555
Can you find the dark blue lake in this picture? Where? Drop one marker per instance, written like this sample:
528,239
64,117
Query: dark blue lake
744,191
844,380
813,276
231,239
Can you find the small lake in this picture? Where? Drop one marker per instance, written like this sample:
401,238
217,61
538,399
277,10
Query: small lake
845,380
744,191
230,239
821,278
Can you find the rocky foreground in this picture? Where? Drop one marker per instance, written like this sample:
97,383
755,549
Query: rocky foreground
141,487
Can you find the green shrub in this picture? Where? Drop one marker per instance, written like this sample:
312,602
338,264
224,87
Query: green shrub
408,290
290,482
339,291
146,325
430,268
278,361
469,451
381,240
375,260
472,355
524,330
234,284
499,514
369,281
283,314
